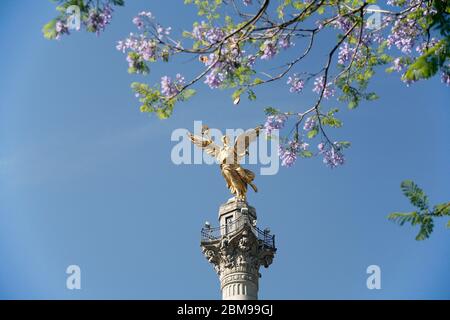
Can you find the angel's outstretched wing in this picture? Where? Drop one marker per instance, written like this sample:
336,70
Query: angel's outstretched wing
243,141
205,143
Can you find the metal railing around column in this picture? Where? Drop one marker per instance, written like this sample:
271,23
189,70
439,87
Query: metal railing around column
212,234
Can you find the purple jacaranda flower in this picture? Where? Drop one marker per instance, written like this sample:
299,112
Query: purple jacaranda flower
270,50
169,87
332,155
296,83
273,122
310,123
319,86
288,153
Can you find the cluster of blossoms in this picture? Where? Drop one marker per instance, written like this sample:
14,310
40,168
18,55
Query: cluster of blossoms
345,53
224,65
61,28
221,65
143,47
310,123
285,42
269,49
145,21
275,122
421,48
98,19
348,53
328,91
403,35
288,153
216,76
398,64
406,30
341,22
170,87
210,35
296,83
162,32
332,155
374,37
95,19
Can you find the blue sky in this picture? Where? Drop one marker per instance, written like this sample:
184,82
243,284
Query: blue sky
86,179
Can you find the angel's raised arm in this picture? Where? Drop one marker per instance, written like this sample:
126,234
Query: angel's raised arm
243,141
205,143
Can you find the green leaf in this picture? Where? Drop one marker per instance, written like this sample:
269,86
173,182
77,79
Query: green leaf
428,64
251,94
164,113
49,30
313,132
331,112
401,218
424,217
306,154
442,209
371,96
344,144
414,194
425,229
331,121
269,111
237,93
353,104
188,93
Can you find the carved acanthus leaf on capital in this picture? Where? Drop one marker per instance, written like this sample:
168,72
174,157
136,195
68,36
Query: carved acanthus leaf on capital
242,252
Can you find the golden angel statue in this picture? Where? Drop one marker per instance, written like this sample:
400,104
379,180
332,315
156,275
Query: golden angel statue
228,156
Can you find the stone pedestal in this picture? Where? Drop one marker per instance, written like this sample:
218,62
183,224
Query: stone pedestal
237,248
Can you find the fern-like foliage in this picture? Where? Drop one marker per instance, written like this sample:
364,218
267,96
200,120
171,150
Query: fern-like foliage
414,194
423,216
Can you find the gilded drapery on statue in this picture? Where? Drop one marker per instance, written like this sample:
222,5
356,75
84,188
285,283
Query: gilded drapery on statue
228,157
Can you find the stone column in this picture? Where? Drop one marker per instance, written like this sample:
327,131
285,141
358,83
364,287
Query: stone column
237,249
